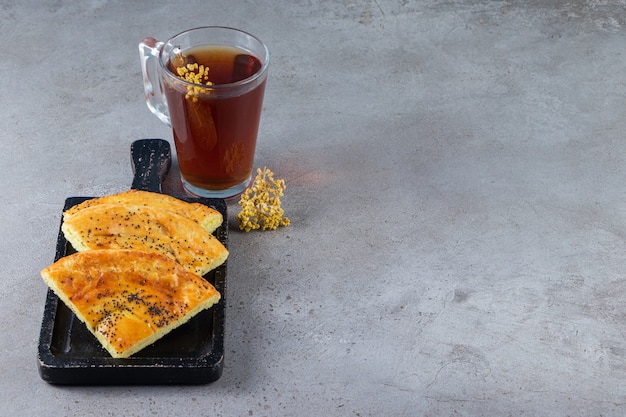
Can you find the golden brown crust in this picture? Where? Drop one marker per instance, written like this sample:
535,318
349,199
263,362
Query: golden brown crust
207,217
127,298
121,226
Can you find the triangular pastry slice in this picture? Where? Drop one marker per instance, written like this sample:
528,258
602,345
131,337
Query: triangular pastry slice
128,299
208,218
114,226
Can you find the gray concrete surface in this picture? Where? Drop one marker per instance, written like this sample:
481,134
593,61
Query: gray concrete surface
456,177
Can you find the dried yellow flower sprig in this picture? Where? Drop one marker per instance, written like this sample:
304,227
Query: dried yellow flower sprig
195,74
260,203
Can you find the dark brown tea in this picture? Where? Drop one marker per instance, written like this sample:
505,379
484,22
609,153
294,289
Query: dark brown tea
215,130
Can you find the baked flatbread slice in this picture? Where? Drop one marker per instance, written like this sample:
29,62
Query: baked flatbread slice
207,217
115,226
127,298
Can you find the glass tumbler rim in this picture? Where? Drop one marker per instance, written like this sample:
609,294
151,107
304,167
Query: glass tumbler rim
218,87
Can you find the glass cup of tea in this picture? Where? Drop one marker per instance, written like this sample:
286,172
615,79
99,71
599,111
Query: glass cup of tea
208,84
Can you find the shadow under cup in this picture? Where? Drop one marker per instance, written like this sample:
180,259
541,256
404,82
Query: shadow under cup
214,125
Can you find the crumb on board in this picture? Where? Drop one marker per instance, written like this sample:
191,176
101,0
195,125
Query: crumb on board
260,203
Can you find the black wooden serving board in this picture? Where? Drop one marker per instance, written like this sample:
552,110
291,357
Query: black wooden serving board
191,354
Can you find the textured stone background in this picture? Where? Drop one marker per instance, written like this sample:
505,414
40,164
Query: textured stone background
455,178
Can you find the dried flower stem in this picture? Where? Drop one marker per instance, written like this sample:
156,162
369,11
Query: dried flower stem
260,203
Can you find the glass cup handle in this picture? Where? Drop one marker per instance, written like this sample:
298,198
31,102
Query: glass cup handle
149,49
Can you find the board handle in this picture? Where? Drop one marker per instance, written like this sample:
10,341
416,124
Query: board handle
151,160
